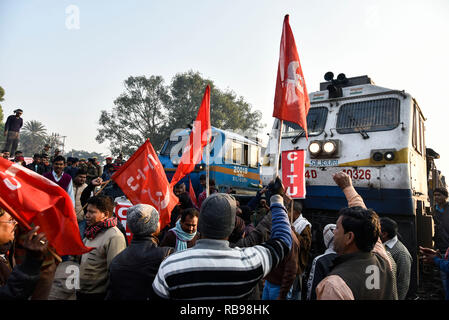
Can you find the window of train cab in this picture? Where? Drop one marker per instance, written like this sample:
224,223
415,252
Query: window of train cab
418,142
240,153
316,121
234,153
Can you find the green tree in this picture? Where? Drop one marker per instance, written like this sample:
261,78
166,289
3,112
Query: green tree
32,137
138,113
81,154
228,111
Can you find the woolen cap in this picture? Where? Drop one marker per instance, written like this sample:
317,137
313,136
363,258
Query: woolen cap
217,216
142,219
328,234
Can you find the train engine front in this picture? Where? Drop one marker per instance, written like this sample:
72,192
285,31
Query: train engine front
376,136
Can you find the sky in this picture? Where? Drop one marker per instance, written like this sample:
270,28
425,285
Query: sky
63,62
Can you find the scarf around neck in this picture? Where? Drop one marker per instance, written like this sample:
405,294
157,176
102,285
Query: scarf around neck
92,231
182,237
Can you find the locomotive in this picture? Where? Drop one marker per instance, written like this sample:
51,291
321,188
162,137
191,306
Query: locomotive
377,136
234,161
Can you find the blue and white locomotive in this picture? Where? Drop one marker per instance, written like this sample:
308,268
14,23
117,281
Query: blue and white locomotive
376,135
234,160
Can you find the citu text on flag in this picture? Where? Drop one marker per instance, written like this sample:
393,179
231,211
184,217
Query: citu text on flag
33,199
142,179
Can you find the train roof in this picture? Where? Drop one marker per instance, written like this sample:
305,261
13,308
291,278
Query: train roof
344,88
347,88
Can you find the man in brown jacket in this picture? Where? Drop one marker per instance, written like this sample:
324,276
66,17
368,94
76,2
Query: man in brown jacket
279,281
303,231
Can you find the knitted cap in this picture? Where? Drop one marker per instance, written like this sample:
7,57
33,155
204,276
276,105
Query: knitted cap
217,216
328,234
142,219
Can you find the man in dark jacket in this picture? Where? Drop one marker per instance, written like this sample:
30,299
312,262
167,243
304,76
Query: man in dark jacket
133,270
36,165
21,281
441,220
12,128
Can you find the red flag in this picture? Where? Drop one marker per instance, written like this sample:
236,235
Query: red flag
293,173
142,179
33,198
199,137
291,101
192,193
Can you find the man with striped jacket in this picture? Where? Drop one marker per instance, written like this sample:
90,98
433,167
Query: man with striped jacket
212,269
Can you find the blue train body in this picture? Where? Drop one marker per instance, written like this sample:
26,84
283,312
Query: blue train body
234,161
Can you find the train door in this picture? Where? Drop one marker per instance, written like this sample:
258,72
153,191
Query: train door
418,155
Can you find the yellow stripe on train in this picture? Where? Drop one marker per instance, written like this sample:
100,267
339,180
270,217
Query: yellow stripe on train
401,156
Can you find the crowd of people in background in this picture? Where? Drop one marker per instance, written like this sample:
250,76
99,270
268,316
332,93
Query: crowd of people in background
215,248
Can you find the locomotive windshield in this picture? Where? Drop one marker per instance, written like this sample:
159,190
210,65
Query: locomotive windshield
180,142
316,120
372,115
169,144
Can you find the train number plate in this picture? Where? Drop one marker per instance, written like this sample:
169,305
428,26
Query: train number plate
361,177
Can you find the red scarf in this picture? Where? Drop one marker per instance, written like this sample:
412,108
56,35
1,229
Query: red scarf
92,231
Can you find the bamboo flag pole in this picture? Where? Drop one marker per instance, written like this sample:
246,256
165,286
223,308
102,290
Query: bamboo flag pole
22,222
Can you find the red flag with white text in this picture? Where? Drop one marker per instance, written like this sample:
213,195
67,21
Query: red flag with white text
291,101
199,137
293,173
142,179
39,201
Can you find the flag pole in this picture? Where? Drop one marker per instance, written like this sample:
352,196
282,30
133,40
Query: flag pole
207,169
278,155
95,194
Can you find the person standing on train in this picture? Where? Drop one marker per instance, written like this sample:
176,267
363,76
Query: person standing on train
441,220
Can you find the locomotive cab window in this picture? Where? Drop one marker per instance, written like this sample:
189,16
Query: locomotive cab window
316,121
169,144
372,115
234,152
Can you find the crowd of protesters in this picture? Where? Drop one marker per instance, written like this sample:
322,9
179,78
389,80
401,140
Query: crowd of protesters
215,248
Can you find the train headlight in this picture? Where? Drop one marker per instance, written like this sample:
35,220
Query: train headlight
389,155
329,147
199,167
378,156
314,148
383,156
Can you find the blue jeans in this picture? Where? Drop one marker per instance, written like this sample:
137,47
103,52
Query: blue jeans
270,291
